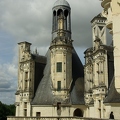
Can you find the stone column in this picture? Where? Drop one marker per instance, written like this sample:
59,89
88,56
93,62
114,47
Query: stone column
96,106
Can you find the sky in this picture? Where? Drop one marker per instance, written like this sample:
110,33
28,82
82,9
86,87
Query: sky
31,21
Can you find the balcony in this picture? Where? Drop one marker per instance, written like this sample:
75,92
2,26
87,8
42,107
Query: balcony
105,4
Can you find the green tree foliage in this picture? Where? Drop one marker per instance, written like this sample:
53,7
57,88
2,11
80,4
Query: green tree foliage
6,110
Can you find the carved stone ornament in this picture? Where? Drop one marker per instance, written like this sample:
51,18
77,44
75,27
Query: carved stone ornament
118,1
21,66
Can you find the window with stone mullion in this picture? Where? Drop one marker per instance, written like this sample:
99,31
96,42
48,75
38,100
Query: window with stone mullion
59,66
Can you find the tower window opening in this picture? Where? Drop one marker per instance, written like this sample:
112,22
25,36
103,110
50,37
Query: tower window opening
25,104
59,108
99,107
38,114
26,75
66,19
25,112
26,84
60,12
59,67
58,85
54,13
66,13
58,105
54,20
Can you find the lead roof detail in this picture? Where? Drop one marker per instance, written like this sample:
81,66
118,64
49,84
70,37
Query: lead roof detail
61,2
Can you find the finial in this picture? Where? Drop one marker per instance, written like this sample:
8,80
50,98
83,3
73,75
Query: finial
36,51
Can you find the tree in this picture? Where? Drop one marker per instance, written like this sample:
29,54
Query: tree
6,110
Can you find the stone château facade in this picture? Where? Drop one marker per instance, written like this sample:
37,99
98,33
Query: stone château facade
58,84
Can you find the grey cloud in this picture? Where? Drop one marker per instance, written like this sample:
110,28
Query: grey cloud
7,84
7,97
8,77
31,20
7,90
4,85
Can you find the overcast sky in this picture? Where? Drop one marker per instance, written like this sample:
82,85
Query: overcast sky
31,20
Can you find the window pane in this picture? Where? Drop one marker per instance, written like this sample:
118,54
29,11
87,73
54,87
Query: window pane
59,66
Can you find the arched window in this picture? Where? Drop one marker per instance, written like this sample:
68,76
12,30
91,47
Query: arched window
59,12
66,13
78,113
54,20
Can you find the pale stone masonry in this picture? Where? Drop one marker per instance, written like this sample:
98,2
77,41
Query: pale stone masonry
112,12
98,70
58,85
51,85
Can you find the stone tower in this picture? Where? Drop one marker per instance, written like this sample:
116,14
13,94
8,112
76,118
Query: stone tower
100,65
112,13
96,67
51,85
99,52
25,88
61,51
98,30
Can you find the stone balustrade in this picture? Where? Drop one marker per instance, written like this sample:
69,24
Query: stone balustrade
52,118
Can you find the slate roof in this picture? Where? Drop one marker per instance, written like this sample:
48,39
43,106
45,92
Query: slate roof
44,94
40,62
77,87
113,96
99,16
39,58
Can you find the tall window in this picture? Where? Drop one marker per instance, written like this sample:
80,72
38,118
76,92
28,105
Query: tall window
26,84
59,86
25,112
59,67
26,75
25,104
58,105
59,108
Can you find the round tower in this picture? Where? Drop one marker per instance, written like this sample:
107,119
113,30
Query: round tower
61,51
98,31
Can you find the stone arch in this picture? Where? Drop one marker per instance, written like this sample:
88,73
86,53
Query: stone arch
54,13
59,12
66,13
54,20
78,112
